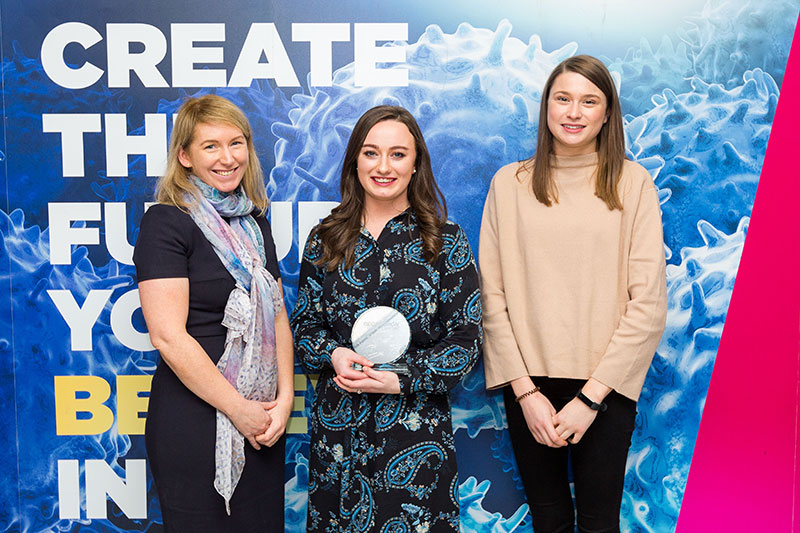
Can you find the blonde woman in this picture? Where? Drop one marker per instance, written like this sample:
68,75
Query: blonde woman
212,299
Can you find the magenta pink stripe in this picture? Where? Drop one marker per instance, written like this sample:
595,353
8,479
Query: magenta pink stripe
744,475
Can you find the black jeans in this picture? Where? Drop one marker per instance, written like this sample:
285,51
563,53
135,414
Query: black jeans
598,463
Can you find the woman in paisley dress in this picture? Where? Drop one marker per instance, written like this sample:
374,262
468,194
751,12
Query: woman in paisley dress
382,447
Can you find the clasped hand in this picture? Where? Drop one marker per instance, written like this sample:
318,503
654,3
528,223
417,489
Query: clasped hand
365,380
573,420
262,422
553,429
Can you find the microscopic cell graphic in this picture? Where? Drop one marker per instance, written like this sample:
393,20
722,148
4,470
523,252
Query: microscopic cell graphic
728,38
712,141
476,519
44,338
671,404
644,72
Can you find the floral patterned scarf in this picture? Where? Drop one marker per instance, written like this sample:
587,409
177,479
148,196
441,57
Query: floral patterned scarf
249,361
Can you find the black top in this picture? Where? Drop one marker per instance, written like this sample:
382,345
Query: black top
180,433
176,248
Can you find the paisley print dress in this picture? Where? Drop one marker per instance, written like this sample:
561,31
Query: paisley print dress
386,462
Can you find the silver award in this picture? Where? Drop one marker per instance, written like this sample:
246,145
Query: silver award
382,335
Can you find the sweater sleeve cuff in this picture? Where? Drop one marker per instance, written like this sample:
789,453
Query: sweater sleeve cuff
503,371
629,386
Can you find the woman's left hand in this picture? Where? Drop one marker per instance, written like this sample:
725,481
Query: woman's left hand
279,410
573,420
376,381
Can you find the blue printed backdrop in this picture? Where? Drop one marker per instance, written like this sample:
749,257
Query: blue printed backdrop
699,90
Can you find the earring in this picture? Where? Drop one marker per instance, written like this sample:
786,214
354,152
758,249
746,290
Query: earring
414,171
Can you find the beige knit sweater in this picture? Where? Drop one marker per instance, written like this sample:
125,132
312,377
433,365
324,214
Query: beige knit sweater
574,290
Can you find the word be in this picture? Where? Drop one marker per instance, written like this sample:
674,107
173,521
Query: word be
86,396
81,405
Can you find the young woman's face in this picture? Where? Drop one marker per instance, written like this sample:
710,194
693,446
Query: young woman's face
386,163
217,155
576,112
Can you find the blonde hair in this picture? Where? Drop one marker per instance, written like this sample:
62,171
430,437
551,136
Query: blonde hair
174,186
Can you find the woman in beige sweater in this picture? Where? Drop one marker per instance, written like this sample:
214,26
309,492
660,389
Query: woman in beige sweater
574,298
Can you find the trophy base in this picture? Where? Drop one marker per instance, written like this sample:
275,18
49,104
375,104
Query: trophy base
397,368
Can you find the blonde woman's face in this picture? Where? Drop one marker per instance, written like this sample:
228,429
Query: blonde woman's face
217,155
576,112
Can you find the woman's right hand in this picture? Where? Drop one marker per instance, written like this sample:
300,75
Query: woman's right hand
251,418
539,413
342,360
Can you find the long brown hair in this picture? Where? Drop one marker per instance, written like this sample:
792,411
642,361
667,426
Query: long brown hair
610,140
339,231
173,186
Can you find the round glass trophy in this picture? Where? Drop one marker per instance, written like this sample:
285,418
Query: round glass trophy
382,335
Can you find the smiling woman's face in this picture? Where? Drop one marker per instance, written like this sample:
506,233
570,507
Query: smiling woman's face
217,155
386,163
576,112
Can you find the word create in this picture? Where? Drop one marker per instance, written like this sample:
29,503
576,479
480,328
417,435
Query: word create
263,40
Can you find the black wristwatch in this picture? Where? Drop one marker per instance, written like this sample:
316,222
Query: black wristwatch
594,406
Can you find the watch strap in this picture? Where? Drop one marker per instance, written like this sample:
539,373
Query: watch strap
594,406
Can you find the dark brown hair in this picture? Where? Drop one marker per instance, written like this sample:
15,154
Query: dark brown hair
339,231
610,140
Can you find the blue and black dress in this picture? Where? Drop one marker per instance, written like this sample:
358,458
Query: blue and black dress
386,462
